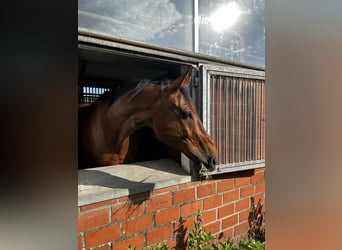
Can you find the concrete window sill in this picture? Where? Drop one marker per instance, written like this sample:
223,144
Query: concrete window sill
110,182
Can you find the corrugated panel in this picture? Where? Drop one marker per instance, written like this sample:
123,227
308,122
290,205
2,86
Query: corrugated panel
237,118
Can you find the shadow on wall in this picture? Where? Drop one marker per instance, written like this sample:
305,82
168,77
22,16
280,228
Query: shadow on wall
102,179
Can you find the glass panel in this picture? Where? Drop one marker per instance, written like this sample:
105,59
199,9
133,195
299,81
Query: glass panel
164,22
233,30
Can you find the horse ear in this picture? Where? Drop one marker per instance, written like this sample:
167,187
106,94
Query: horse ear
181,82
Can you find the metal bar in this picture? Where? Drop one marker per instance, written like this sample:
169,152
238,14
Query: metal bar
261,119
250,121
244,119
239,117
226,120
212,106
98,38
255,121
247,122
233,118
219,119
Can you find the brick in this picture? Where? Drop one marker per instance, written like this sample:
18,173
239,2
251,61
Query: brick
137,225
242,205
135,197
243,216
166,216
225,211
126,211
206,190
93,219
225,234
212,202
183,196
189,184
225,185
191,208
258,177
231,196
99,204
213,227
158,202
230,221
102,235
136,241
246,191
102,248
209,216
79,242
159,234
260,187
241,181
164,190
260,170
184,225
261,197
241,229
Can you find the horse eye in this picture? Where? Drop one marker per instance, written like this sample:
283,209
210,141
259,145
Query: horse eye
186,115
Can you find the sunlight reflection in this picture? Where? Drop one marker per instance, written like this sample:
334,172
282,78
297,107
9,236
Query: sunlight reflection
225,16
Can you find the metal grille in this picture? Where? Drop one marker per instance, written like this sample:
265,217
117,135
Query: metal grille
237,110
90,94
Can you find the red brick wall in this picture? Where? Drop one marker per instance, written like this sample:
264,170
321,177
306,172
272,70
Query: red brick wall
165,215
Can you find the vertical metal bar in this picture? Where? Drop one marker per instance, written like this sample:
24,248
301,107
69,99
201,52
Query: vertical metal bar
226,118
206,98
196,27
230,121
254,120
244,121
212,104
261,119
247,121
239,117
219,121
233,118
209,100
250,121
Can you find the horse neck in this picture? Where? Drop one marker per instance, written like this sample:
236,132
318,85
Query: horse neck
125,116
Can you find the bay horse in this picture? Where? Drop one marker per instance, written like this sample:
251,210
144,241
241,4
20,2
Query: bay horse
106,126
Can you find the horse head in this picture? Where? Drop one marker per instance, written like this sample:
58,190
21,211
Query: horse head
176,123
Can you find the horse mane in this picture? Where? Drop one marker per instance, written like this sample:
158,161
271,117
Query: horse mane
134,87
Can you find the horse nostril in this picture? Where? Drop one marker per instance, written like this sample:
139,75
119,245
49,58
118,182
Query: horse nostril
212,162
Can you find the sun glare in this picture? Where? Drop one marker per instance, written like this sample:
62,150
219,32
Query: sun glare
225,17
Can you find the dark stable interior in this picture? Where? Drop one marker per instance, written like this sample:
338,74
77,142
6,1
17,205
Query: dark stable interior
103,69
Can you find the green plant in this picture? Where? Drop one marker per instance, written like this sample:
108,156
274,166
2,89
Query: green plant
131,248
198,238
160,247
226,245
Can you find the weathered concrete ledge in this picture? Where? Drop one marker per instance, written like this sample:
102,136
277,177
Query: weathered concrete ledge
105,183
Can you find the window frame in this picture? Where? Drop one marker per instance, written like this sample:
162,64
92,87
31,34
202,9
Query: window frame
206,71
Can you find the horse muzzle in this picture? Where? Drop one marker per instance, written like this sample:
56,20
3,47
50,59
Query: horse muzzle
210,164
